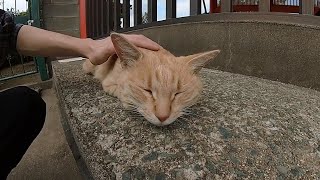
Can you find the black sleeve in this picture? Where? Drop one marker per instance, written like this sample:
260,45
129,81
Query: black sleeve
8,33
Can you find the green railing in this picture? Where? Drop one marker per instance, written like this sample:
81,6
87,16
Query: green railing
17,66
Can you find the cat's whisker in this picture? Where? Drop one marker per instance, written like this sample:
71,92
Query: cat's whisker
193,115
136,117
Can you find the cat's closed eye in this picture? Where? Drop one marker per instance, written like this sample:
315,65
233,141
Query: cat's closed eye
177,93
148,91
173,96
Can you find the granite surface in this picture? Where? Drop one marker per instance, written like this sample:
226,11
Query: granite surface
242,128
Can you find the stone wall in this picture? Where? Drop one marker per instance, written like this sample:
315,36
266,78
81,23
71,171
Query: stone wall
61,16
273,46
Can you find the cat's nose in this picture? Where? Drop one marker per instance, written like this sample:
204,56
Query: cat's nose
163,118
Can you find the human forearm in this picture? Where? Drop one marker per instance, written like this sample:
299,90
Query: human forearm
33,41
38,42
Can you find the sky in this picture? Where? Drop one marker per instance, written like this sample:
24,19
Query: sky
21,4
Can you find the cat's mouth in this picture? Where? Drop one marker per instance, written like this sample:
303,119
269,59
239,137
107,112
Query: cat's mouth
152,118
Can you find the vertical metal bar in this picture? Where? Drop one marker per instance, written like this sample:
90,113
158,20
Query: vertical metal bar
9,60
88,18
152,10
40,60
91,18
137,12
171,9
126,14
213,5
95,18
108,15
98,18
105,17
116,15
205,7
21,59
195,7
101,14
83,21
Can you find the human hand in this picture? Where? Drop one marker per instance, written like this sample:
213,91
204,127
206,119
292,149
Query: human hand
100,50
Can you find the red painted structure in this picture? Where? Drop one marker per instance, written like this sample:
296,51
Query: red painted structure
83,20
215,8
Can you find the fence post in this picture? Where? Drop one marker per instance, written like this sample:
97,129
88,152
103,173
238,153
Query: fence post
41,63
116,15
264,6
226,6
109,16
171,9
126,14
83,19
195,7
306,7
152,10
137,12
213,5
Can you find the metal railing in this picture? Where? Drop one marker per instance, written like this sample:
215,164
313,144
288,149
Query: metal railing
245,2
286,2
105,16
15,65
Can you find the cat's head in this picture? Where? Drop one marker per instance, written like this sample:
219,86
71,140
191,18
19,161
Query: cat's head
159,85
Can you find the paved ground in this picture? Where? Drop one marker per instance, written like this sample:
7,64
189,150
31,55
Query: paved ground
49,157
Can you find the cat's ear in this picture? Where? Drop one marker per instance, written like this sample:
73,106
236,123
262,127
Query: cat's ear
127,52
198,61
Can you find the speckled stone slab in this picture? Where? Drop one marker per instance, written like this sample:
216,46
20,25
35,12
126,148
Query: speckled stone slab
243,127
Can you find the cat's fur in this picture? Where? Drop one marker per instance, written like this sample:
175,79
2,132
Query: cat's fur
156,84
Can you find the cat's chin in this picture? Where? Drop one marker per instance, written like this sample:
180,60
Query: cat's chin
159,123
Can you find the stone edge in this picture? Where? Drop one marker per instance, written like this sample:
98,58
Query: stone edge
76,152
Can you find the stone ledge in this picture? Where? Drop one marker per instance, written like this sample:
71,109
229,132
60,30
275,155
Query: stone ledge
243,127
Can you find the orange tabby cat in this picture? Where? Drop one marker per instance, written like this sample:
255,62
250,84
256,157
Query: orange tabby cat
156,84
